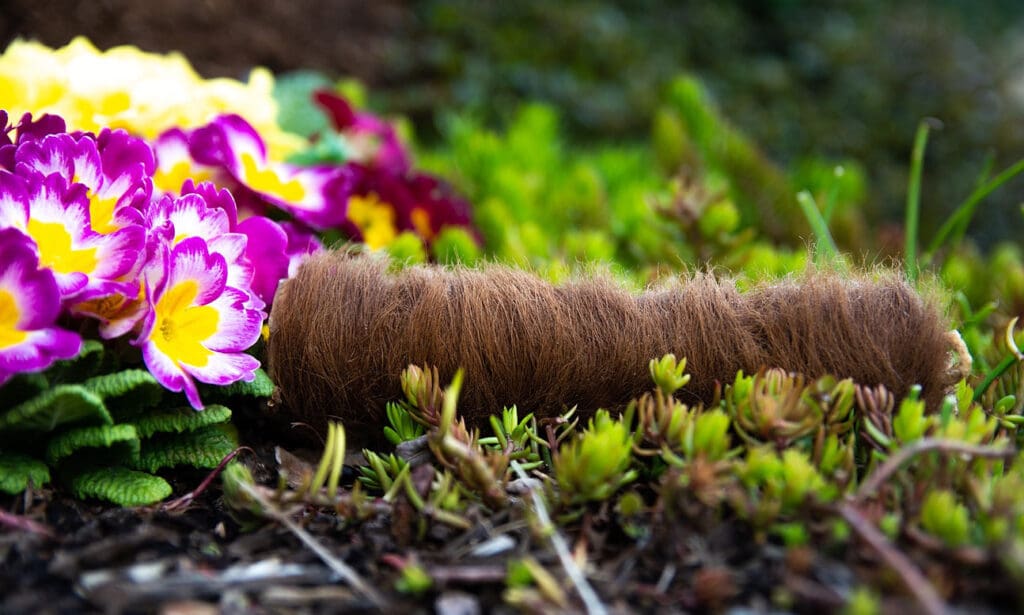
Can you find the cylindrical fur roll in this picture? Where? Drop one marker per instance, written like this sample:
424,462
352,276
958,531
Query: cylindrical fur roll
345,327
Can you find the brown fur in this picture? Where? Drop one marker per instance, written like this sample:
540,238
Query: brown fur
345,327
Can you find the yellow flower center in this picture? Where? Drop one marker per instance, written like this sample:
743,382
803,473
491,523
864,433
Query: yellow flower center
10,335
101,213
170,180
56,251
267,181
181,326
374,218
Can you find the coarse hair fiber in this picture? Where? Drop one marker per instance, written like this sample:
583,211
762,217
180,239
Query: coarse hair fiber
346,326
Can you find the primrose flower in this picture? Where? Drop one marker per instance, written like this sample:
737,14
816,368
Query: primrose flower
268,246
199,327
301,243
190,215
383,204
267,250
26,130
314,195
374,141
85,263
175,165
120,313
29,306
115,169
123,87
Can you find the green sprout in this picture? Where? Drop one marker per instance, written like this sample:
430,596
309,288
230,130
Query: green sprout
329,470
413,579
668,374
770,407
401,425
381,472
862,601
946,518
910,422
708,436
596,464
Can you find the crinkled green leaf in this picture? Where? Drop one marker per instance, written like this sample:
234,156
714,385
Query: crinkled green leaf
180,419
202,448
22,387
98,436
127,392
261,386
17,471
119,485
63,404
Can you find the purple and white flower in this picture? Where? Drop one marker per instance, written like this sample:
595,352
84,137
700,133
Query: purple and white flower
85,263
199,327
314,195
115,169
29,306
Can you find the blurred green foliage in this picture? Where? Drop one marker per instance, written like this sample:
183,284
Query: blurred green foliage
847,80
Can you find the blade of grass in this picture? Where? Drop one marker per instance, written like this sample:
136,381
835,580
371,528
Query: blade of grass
913,212
955,226
826,245
833,193
1012,357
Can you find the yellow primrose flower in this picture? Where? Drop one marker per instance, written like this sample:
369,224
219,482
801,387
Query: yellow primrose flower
374,218
124,87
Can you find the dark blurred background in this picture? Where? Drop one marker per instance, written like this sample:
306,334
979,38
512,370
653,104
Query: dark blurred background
843,79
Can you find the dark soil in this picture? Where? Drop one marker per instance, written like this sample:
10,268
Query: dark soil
88,557
61,555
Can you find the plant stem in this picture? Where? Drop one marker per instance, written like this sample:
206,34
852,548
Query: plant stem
924,445
341,568
915,581
590,599
24,523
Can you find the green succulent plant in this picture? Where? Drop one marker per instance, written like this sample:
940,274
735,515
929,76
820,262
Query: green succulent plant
596,464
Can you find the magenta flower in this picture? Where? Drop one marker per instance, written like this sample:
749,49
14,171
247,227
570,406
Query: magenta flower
373,141
314,195
26,130
175,219
267,249
85,263
174,163
382,205
29,306
115,169
121,313
301,243
199,327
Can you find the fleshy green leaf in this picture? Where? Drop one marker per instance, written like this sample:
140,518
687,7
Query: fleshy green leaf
127,392
202,448
99,436
17,471
119,485
180,420
261,386
63,404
